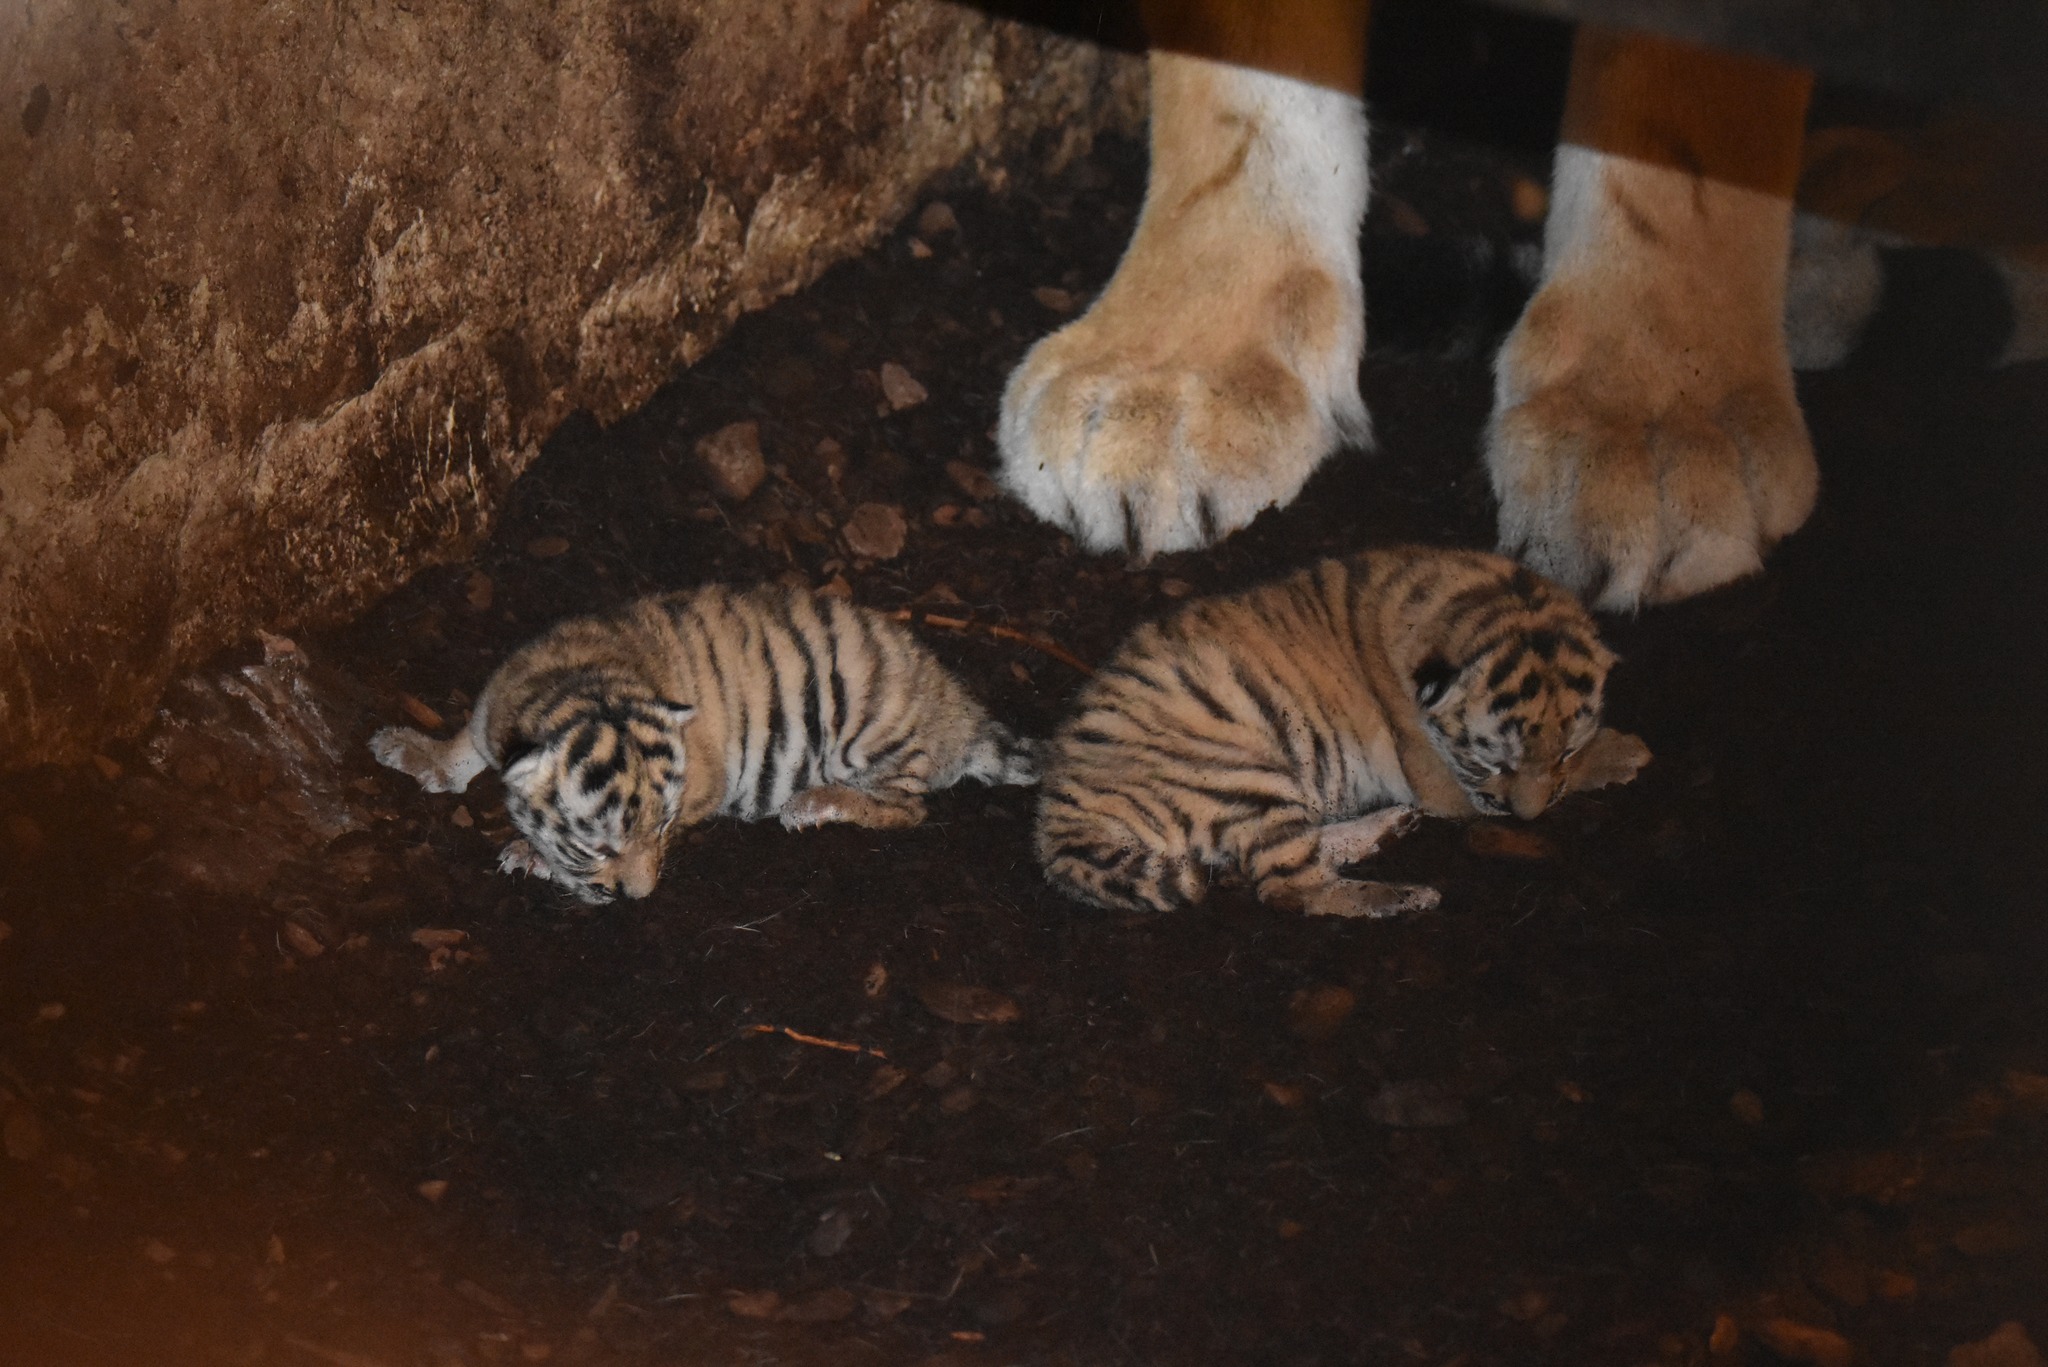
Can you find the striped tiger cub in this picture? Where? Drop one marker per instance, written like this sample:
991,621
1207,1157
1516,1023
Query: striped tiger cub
1282,733
611,730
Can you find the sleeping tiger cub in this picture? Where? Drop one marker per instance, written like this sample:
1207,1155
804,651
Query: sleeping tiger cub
678,707
1282,733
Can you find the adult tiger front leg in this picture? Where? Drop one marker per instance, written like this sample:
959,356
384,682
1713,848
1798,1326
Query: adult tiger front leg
1220,365
1646,442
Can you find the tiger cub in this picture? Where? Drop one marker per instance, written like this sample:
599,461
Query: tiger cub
1282,733
611,730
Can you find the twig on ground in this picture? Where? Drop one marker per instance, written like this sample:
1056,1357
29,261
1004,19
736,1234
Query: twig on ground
1000,633
800,1037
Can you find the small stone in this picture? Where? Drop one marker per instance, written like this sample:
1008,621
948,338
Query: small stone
2008,1346
901,388
945,515
918,249
110,768
1403,217
1176,588
429,938
876,980
1291,1229
1788,1338
1528,200
971,480
1053,298
967,1005
547,547
876,531
732,458
433,1189
629,1241
1286,1094
461,817
1498,840
754,1305
1747,1107
421,714
158,1252
887,1079
833,1229
1726,1336
1314,1013
937,220
1415,1106
49,1012
478,591
304,942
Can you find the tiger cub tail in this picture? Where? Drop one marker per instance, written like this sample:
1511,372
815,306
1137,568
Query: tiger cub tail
1000,755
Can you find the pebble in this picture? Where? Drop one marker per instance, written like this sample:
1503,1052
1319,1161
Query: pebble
937,220
732,458
876,531
49,1012
901,388
972,480
1054,298
754,1305
967,1005
1788,1338
834,1228
2008,1346
304,942
1286,1094
1527,200
1415,1106
433,1189
547,547
110,768
478,591
1314,1013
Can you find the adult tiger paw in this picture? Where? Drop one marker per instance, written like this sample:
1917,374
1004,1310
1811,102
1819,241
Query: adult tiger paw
1646,443
1219,366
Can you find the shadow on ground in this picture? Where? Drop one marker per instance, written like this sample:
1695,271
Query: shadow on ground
1757,1041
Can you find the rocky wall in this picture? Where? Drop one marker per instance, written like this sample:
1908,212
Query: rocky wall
290,293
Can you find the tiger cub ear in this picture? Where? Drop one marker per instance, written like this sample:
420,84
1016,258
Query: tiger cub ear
1433,679
520,762
676,714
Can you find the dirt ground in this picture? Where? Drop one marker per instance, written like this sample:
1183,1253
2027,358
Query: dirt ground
1746,1062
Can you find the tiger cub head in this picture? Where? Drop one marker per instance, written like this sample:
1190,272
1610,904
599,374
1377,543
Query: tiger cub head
1511,691
594,786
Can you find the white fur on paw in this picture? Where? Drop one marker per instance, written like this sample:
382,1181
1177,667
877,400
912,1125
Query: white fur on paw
520,857
412,753
1348,842
815,807
1220,365
1354,899
1646,443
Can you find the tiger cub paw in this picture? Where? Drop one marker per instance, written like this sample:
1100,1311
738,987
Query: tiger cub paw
520,857
1609,759
1354,898
1646,443
1349,842
438,766
1219,367
833,803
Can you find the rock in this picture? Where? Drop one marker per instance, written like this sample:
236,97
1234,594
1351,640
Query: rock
900,388
1415,1106
833,1229
732,458
966,1005
819,1307
433,1189
1788,1338
1314,1013
754,1305
2008,1346
1528,200
428,937
876,531
304,942
971,480
292,303
937,220
547,547
1053,298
